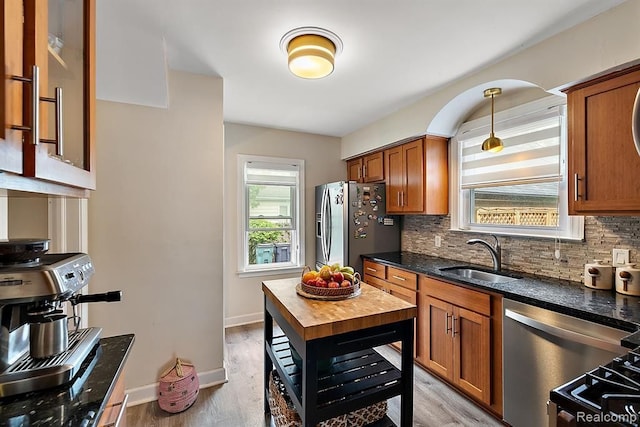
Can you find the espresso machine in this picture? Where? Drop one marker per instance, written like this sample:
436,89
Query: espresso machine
38,349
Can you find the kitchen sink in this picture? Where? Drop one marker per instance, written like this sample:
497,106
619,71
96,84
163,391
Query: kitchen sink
477,274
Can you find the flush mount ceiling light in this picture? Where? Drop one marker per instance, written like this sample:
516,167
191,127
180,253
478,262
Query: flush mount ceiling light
311,51
493,143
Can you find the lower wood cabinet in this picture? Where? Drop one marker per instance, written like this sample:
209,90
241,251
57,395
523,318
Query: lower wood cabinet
397,282
460,336
458,333
114,414
458,346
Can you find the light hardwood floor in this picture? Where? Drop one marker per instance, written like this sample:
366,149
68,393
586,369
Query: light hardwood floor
239,402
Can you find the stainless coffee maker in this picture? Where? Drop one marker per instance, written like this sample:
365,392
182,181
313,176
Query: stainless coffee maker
38,349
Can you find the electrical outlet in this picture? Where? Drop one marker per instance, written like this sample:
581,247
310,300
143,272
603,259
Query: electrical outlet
438,241
620,257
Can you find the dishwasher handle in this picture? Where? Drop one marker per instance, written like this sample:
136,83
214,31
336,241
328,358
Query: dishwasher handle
563,333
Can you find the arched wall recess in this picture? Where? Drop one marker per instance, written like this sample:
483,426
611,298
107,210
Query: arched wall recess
447,121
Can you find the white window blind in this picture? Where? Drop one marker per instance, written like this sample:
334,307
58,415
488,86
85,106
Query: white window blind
531,151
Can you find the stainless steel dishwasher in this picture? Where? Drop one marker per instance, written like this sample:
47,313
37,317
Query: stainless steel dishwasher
542,350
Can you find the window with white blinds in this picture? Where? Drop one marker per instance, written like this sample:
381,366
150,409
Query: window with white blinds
272,231
520,190
531,152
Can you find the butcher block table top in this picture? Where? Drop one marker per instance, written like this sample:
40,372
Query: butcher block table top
313,319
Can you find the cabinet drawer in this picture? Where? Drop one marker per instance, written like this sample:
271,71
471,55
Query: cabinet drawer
374,269
403,293
458,295
402,278
376,282
114,412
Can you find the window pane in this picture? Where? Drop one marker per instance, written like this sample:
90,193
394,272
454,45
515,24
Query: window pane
266,247
534,205
270,200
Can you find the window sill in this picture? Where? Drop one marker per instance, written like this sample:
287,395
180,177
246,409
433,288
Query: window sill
500,231
274,271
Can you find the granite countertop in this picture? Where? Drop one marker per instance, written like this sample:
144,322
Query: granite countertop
78,403
572,298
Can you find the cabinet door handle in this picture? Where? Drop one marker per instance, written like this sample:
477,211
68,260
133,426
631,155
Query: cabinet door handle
446,324
372,269
399,278
364,171
576,179
58,140
35,104
453,326
123,406
402,194
635,122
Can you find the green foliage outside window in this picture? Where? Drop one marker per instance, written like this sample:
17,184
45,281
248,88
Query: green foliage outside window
259,237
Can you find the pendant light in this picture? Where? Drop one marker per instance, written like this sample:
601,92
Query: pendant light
311,51
493,143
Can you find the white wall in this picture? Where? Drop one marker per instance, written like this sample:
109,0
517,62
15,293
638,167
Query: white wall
155,230
28,217
606,41
243,296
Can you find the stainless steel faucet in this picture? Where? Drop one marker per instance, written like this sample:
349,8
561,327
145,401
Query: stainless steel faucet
496,251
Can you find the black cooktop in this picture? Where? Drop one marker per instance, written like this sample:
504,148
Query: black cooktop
608,395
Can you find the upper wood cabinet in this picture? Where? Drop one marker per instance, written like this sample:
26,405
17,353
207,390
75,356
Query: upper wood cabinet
603,161
416,174
49,126
369,168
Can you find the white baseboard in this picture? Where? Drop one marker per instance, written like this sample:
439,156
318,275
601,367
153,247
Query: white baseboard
149,393
243,320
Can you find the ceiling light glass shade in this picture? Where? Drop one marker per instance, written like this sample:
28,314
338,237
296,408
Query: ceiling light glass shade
311,56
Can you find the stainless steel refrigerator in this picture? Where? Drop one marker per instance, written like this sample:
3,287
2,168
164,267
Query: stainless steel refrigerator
351,220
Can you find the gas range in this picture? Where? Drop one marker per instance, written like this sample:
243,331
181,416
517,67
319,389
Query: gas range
608,395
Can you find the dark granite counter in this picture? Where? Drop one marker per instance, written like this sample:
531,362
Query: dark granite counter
79,403
572,298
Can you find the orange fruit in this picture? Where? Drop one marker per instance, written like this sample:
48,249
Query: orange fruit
309,275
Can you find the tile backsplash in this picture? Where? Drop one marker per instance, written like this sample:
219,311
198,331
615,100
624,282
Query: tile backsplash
527,254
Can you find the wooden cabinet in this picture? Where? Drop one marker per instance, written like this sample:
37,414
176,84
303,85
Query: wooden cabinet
416,174
49,125
460,339
369,168
458,331
603,161
114,414
395,281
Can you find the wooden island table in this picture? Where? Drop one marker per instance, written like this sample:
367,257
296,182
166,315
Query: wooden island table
345,332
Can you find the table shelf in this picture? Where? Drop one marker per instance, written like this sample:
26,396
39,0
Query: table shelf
353,381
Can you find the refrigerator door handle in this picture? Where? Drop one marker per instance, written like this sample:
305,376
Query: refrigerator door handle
323,224
328,226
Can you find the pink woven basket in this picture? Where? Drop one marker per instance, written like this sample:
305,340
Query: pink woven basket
178,388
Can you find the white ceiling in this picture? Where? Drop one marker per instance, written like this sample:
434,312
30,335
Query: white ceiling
395,52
